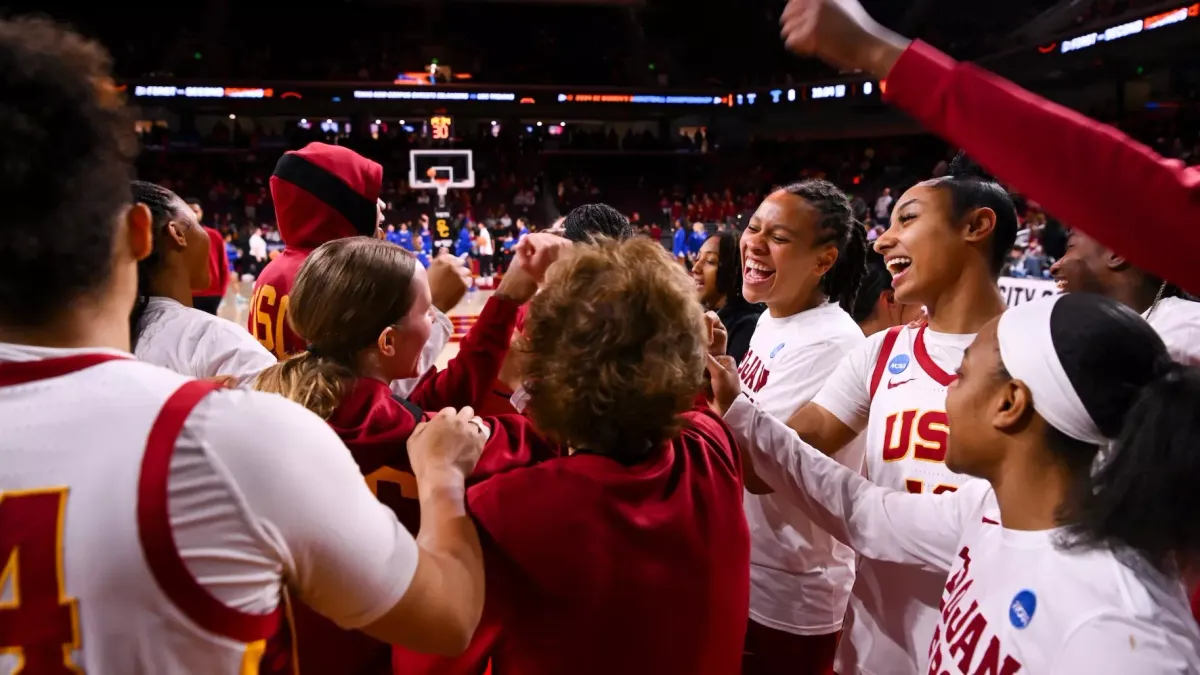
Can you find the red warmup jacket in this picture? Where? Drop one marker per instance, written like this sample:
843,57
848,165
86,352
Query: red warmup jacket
218,266
595,567
498,401
321,192
375,426
1087,174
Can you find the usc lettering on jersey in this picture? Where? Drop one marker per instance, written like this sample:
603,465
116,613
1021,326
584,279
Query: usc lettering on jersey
894,608
908,431
90,577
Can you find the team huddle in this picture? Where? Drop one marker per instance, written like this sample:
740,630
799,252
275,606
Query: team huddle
887,472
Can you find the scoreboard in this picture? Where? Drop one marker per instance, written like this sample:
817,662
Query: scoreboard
441,127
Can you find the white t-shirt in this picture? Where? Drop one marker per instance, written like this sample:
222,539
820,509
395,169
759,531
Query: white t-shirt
485,242
1013,602
260,492
1177,322
800,578
893,609
198,344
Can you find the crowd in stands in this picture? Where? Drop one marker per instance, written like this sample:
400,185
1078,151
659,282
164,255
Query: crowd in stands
539,177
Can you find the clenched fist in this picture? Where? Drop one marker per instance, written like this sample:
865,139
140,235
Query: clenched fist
842,34
449,279
450,441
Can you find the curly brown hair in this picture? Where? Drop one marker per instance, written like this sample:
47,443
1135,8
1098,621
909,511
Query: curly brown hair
616,347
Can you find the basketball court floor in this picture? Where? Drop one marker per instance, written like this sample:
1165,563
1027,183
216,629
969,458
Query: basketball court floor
236,308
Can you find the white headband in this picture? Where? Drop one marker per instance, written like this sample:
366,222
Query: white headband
1027,352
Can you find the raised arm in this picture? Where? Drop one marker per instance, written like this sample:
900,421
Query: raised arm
1088,174
468,377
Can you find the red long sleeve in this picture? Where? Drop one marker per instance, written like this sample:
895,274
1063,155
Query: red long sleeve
1090,175
468,378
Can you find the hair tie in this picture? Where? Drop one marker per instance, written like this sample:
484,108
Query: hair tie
312,349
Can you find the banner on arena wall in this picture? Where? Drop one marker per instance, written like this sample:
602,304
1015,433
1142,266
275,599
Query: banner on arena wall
1018,291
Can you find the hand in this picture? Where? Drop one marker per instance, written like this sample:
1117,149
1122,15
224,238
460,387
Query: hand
532,256
449,279
450,441
537,252
718,337
726,386
842,34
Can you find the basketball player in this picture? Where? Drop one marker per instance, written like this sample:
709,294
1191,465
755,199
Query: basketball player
148,523
1054,567
803,257
1089,267
626,551
165,330
321,193
364,305
209,299
718,277
944,249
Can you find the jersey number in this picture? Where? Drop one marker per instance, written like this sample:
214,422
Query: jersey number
268,331
38,622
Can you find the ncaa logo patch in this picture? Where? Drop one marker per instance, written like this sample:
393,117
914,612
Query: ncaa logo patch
898,364
777,348
1020,611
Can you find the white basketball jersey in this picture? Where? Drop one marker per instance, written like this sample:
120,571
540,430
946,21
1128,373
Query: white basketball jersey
894,608
90,577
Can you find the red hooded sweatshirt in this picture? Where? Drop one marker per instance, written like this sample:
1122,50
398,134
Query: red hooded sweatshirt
321,192
375,426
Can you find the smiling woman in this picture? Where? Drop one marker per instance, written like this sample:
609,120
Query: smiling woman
803,255
944,250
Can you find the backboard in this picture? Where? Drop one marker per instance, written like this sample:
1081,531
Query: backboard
455,167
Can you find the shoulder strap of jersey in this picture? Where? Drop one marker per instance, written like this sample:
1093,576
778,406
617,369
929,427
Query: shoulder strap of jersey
412,408
885,352
158,540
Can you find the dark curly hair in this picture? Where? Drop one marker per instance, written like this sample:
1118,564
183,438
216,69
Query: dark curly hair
68,146
838,225
618,346
596,220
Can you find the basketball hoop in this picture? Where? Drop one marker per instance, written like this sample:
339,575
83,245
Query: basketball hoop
442,185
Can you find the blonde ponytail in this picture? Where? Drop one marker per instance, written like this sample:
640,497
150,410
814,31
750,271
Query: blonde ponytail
317,383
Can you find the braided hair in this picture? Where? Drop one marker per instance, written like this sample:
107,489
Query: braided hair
837,225
596,220
164,207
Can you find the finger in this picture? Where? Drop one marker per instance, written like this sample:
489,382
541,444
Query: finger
419,430
728,363
715,367
481,426
465,414
446,413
